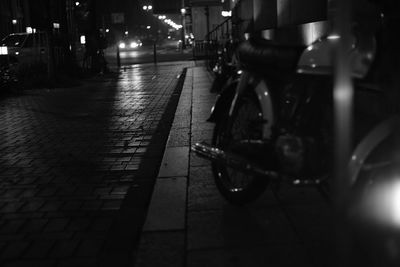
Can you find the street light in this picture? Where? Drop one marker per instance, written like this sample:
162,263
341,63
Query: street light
182,27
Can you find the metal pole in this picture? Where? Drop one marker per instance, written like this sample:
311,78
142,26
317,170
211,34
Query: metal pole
207,13
118,58
155,51
343,93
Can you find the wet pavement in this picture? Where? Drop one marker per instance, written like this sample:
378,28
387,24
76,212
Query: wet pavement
145,54
77,166
102,175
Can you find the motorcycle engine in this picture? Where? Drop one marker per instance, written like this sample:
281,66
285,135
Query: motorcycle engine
299,155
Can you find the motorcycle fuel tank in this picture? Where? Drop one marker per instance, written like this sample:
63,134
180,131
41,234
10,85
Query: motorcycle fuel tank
317,58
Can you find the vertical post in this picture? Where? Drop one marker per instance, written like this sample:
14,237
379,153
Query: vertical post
50,42
207,13
155,51
155,42
183,13
343,121
118,57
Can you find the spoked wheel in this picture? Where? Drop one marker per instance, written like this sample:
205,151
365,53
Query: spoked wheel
229,134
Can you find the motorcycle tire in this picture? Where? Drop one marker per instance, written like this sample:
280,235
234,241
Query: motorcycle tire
235,186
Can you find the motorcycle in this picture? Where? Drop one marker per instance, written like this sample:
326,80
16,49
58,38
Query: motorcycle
274,121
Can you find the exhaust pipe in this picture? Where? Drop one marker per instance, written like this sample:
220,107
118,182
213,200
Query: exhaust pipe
229,159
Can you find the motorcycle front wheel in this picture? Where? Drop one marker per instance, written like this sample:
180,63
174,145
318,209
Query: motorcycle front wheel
235,186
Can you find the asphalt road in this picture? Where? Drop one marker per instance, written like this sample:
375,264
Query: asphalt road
145,54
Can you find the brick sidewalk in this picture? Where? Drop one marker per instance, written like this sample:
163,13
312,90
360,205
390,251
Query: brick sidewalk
189,224
77,167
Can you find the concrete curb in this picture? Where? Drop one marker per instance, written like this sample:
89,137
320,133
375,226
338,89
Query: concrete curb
163,236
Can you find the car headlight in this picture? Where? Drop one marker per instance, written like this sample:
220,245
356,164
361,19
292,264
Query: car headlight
122,45
3,50
134,45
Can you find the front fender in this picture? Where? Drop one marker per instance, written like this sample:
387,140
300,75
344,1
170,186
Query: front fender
262,90
369,143
224,100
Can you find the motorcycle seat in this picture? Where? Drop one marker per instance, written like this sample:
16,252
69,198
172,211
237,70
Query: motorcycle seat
265,55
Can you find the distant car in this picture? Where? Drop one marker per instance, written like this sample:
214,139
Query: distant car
129,44
26,47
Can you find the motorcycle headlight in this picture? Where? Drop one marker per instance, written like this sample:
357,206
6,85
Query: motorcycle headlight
379,201
122,45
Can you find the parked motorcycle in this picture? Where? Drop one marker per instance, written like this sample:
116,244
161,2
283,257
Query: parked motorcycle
275,121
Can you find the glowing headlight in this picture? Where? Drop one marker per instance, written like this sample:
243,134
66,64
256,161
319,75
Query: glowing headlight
3,50
122,45
134,45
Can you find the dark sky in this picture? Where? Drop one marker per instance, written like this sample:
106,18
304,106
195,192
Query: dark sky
136,19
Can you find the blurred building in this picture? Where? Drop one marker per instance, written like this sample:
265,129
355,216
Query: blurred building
206,15
290,21
14,16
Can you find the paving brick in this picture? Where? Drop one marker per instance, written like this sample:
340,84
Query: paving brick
56,225
12,226
111,204
51,206
47,191
58,143
33,205
14,250
120,190
64,248
80,262
11,207
89,248
79,224
92,205
11,193
34,225
101,224
72,205
39,249
31,262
